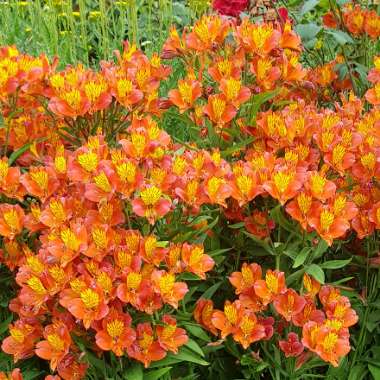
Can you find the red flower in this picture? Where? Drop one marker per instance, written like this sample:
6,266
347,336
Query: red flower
291,347
230,7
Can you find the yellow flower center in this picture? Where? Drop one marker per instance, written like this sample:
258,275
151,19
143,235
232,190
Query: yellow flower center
69,239
231,314
339,204
90,298
338,154
368,160
56,208
225,67
115,328
329,342
4,168
304,203
247,324
88,161
138,142
218,107
196,256
326,220
213,185
100,237
35,264
101,181
40,177
166,283
93,90
126,171
272,282
185,91
72,98
56,343
134,280
282,181
151,195
124,87
35,284
168,331
244,184
233,88
317,183
17,335
11,219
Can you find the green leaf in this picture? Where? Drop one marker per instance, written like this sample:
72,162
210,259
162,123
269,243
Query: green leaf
135,372
4,325
184,355
335,264
210,291
340,37
316,271
193,345
258,100
301,257
17,153
218,252
358,372
157,374
321,249
237,147
375,371
196,331
308,6
308,31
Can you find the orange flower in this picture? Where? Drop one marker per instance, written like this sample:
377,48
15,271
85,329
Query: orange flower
342,312
259,224
284,184
207,31
71,369
249,330
203,314
87,304
227,321
116,335
40,182
56,345
219,110
289,304
246,278
308,313
21,342
10,180
374,215
332,222
151,204
189,90
373,95
258,39
14,375
195,260
331,345
170,291
372,24
217,190
170,336
311,285
273,285
145,349
11,220
234,91
301,207
354,20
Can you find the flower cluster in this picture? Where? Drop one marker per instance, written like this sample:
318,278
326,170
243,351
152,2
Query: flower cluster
324,331
89,181
356,20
